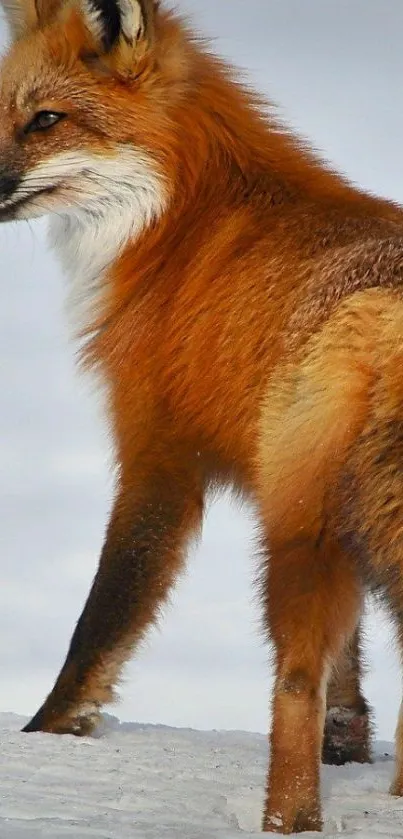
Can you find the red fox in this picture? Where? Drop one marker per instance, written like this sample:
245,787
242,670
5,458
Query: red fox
243,305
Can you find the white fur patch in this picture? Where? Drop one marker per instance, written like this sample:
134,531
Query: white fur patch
99,205
131,19
87,713
92,19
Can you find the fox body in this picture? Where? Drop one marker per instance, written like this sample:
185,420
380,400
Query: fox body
243,306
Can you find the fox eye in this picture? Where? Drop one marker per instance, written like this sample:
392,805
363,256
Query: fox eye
43,120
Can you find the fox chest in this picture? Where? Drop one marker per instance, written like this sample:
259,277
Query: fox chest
86,252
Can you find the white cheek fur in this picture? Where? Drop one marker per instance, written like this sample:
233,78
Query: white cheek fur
101,204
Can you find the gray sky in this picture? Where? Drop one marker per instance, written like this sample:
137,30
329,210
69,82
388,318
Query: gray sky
336,68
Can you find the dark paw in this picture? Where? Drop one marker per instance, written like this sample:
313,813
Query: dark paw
81,721
346,737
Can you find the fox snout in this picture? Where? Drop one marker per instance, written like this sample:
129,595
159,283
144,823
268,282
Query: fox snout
9,182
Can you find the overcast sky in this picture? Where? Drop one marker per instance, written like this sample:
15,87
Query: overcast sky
336,68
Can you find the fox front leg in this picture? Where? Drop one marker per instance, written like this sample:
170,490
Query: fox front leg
141,558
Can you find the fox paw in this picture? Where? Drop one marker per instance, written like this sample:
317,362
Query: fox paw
346,737
299,822
80,721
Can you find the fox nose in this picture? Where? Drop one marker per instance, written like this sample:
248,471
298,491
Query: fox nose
8,184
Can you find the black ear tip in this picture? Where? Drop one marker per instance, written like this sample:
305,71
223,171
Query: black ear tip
110,16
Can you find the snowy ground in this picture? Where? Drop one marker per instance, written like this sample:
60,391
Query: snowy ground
150,782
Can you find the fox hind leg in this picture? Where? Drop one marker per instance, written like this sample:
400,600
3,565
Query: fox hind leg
348,726
373,508
314,413
313,603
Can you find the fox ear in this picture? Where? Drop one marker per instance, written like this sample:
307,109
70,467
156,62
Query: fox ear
23,16
121,29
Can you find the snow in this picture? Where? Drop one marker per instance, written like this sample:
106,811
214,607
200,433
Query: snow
137,781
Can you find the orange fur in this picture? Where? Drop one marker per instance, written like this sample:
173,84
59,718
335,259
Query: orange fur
250,336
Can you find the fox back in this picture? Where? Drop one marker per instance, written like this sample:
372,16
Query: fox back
242,304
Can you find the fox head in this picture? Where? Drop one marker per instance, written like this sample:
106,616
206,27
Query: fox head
83,95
